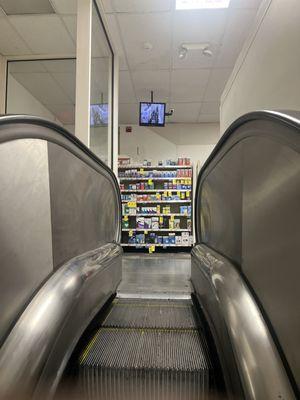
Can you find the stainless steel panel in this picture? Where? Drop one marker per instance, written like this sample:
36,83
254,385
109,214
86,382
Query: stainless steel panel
269,222
38,347
160,275
25,224
221,205
83,206
271,237
240,322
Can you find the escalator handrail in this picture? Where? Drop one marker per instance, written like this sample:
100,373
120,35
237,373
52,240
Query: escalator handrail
291,118
27,349
70,140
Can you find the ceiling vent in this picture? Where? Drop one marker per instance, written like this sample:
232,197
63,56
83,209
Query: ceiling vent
21,7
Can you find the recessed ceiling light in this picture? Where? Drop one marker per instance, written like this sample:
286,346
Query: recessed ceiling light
18,7
200,4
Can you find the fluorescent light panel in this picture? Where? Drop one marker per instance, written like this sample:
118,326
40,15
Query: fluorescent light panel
201,4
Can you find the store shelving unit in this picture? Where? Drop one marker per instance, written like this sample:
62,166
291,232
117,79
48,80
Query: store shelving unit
156,206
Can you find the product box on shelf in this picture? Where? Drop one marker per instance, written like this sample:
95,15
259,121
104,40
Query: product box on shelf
176,223
185,238
189,224
148,223
166,240
132,239
125,222
172,238
155,222
178,240
140,238
140,222
159,239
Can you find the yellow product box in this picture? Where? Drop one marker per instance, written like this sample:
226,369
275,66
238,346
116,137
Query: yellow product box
131,204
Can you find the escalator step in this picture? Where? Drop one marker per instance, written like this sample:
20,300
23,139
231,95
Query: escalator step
151,315
146,364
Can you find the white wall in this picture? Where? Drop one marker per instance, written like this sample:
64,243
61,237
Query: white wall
21,101
174,140
143,143
267,73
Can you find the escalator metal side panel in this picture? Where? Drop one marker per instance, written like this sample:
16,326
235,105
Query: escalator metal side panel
250,360
34,356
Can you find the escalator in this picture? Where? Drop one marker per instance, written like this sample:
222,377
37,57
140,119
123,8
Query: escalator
65,333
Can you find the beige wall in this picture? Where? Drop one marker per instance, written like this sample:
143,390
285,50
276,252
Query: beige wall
267,73
174,140
21,101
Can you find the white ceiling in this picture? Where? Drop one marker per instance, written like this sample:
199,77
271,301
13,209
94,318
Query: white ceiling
192,86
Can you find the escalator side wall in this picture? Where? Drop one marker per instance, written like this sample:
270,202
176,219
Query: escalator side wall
57,201
248,210
60,211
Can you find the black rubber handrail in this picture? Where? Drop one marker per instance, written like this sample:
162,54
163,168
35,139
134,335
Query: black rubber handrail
290,118
30,119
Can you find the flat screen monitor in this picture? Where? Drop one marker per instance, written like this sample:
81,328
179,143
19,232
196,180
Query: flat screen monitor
152,114
99,114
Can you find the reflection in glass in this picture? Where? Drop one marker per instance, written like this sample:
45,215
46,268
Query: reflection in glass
100,102
43,88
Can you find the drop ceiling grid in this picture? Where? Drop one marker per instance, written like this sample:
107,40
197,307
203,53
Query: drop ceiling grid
216,27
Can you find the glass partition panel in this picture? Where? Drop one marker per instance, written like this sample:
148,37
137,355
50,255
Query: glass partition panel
44,88
101,99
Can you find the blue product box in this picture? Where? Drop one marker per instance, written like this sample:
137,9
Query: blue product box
165,239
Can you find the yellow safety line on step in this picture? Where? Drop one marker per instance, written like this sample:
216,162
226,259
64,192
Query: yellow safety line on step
88,348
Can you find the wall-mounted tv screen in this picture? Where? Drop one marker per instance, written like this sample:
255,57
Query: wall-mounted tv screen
152,114
99,114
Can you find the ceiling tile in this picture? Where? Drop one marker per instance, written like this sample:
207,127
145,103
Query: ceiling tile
141,6
10,42
199,26
43,87
158,81
71,25
44,34
153,28
108,6
212,107
189,85
216,84
245,3
17,7
115,36
126,94
185,112
236,32
65,6
129,113
209,118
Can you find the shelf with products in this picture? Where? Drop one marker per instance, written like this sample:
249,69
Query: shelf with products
156,245
157,215
140,166
157,205
154,190
155,230
152,178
